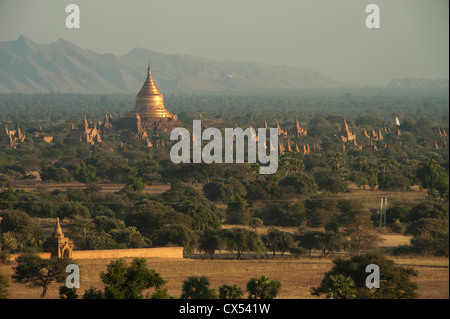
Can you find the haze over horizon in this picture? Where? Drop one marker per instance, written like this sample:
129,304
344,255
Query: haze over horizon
327,36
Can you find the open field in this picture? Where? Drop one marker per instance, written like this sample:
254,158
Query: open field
297,276
35,186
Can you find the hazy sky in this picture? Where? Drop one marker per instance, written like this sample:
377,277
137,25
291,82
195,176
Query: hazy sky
328,36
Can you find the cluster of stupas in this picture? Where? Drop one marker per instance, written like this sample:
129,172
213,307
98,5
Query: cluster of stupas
441,139
374,135
151,114
148,114
17,136
14,136
294,132
41,135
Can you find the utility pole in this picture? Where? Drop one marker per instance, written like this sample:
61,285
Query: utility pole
1,233
383,211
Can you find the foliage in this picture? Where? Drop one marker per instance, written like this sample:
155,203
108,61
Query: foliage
37,272
395,281
263,288
237,211
124,281
4,284
359,230
179,235
277,240
20,231
197,288
210,241
150,216
242,240
230,292
67,293
303,184
433,176
339,287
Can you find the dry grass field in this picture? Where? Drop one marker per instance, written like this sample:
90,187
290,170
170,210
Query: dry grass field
297,276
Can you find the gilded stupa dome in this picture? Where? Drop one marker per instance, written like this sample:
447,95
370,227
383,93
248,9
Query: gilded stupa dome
150,101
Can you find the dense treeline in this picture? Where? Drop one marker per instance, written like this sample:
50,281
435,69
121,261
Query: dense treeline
383,104
300,194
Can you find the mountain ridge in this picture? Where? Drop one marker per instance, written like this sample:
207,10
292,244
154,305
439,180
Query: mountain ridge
61,66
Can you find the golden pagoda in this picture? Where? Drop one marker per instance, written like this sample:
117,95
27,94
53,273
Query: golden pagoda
57,244
149,112
150,102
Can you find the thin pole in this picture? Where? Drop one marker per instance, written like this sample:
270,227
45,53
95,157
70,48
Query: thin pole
381,211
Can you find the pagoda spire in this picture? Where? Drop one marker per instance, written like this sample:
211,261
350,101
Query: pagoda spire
57,232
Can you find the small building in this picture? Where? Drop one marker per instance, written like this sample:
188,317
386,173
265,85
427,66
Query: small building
57,244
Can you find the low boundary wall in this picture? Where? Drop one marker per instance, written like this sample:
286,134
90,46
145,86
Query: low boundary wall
160,252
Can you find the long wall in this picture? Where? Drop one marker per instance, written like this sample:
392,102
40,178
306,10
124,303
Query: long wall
161,252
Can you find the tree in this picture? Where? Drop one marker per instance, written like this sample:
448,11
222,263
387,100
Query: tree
230,292
430,236
72,209
85,236
150,216
197,288
67,293
128,282
336,162
303,183
330,241
178,235
20,230
203,216
309,240
263,288
8,198
359,230
93,293
319,210
277,240
4,284
210,241
331,181
86,173
133,238
289,163
242,240
395,281
433,177
237,212
339,287
135,183
360,163
37,272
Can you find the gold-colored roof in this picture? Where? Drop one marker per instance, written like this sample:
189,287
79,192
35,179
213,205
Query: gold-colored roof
150,101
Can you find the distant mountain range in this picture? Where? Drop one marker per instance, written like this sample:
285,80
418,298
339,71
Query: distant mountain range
418,84
28,67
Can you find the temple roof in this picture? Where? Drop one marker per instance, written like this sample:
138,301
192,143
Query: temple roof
150,101
57,232
149,87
